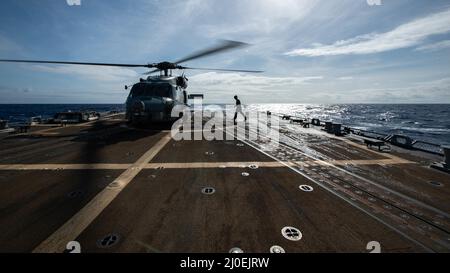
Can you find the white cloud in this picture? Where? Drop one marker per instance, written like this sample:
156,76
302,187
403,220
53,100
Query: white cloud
7,45
347,78
258,17
421,92
435,46
220,88
406,35
227,80
108,74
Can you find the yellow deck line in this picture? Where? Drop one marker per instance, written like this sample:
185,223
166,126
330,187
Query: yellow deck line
195,165
83,218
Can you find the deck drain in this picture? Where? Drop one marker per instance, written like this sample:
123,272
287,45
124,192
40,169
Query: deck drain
209,153
277,249
253,166
244,174
435,183
291,233
240,145
306,188
208,190
236,250
75,194
108,241
372,199
358,192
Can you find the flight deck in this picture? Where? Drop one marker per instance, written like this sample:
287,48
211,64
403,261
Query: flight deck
116,188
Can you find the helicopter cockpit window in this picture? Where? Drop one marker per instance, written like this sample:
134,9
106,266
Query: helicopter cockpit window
147,90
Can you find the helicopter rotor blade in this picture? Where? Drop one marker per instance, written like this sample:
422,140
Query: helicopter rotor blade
224,46
225,70
78,63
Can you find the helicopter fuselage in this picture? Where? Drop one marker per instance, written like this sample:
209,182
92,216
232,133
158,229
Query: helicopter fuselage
151,100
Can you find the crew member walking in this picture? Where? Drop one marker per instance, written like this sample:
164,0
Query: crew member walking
238,109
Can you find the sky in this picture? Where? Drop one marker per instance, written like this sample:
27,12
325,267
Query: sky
311,51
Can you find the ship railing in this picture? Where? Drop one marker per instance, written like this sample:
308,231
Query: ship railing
418,145
427,147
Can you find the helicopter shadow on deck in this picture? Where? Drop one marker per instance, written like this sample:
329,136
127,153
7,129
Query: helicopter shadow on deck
95,140
102,134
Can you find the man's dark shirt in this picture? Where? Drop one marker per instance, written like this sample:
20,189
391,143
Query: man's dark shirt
238,102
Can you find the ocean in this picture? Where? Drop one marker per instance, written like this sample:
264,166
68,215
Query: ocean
426,122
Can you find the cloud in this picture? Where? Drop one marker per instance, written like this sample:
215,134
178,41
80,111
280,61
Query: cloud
228,80
435,46
406,35
13,94
15,90
104,74
220,88
422,92
347,78
27,89
253,18
8,45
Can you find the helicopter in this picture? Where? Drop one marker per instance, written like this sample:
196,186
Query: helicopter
151,100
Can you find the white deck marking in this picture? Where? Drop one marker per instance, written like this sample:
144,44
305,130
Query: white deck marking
194,165
255,146
75,225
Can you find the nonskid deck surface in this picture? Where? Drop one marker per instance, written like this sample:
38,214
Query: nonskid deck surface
114,188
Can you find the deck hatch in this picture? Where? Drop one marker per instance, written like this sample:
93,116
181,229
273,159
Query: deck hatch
435,183
75,194
277,249
108,241
306,188
292,233
208,190
236,250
